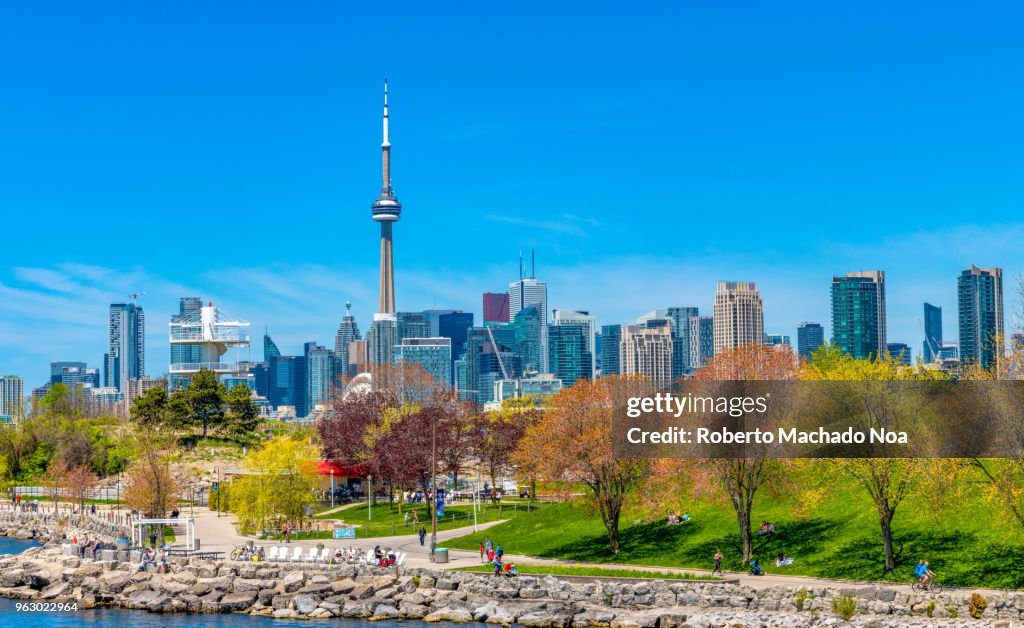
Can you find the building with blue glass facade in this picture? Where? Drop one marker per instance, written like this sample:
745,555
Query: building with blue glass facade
433,355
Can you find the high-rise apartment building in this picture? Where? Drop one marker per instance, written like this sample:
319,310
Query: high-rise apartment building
738,315
932,333
319,374
647,351
611,339
433,355
12,398
496,308
126,345
287,383
270,350
858,313
589,324
411,325
74,376
980,314
702,340
348,331
680,317
382,338
568,354
527,331
809,336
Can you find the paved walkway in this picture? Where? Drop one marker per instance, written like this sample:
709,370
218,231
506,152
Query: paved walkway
218,534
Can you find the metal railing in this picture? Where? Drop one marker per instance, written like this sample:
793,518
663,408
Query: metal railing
219,334
192,367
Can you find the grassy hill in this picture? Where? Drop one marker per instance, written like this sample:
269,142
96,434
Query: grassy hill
967,545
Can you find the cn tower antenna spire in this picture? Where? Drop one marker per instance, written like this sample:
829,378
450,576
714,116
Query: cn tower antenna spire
386,210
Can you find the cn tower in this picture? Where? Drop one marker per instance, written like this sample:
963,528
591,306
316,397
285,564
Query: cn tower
386,211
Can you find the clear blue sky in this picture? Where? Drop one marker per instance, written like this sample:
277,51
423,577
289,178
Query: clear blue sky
231,150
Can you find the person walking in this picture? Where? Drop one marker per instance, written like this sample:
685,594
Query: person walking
423,535
483,552
718,563
286,531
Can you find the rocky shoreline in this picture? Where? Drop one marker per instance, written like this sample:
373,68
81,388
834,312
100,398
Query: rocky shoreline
295,590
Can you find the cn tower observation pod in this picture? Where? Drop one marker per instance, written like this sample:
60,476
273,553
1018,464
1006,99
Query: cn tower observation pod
210,332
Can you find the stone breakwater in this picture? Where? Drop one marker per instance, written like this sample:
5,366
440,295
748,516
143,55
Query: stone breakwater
45,527
322,591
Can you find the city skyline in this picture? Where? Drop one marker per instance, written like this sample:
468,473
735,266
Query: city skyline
861,156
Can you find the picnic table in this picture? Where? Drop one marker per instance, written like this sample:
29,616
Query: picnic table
208,555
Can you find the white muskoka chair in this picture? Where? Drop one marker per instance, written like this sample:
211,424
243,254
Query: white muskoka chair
272,554
401,559
311,556
297,555
324,554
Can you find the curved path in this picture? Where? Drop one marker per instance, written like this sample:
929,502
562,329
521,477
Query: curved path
218,534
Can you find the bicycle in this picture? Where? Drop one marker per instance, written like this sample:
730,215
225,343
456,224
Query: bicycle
934,586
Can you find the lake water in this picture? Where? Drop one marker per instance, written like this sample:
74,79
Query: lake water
122,618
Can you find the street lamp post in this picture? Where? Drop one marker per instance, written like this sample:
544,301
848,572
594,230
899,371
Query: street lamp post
433,486
332,487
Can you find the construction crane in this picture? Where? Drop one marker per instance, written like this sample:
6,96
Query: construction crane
497,354
135,295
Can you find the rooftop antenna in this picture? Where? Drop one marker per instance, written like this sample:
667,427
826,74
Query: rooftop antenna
533,264
520,264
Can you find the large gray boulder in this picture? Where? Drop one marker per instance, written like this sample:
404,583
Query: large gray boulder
293,581
238,601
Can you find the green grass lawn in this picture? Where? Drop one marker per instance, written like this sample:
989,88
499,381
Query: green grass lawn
384,516
580,570
968,544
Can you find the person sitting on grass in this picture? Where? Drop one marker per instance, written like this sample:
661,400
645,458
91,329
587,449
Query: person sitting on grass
686,517
510,570
782,560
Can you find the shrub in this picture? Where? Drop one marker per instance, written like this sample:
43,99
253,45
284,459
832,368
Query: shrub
801,598
977,605
953,612
930,608
844,606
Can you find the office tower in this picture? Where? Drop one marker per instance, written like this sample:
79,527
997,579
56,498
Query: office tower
209,333
611,338
932,333
777,340
386,210
598,353
433,318
680,317
487,359
433,355
529,292
270,350
569,317
12,398
319,374
702,340
647,351
569,356
643,319
858,313
240,379
527,330
411,325
738,315
288,383
126,345
348,331
455,325
900,351
980,309
496,307
809,336
57,369
74,376
382,338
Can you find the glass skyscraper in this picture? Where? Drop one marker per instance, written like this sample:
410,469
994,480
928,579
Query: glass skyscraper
319,374
932,333
611,337
980,308
455,325
858,313
433,355
680,317
809,336
287,383
382,338
568,355
528,326
702,340
126,345
348,331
